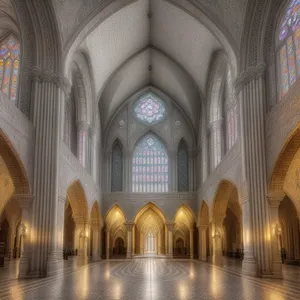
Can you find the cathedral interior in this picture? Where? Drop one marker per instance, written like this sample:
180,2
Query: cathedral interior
150,149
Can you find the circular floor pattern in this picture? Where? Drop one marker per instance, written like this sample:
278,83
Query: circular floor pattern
157,268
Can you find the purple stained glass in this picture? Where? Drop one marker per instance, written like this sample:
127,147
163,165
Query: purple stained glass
9,67
291,19
149,109
154,170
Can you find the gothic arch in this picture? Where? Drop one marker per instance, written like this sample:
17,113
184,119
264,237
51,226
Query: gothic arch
153,207
78,202
185,215
226,193
203,217
95,216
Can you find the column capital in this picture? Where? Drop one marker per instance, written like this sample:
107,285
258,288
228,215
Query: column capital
83,126
202,226
275,199
24,201
215,125
170,226
249,75
129,225
78,219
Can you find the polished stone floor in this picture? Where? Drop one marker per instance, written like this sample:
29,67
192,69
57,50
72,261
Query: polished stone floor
149,279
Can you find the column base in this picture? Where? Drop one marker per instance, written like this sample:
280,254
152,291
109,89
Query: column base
249,267
217,260
23,268
277,270
54,264
82,260
96,258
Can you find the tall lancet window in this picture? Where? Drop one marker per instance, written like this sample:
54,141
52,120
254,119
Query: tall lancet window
9,67
183,167
117,168
70,127
150,166
289,46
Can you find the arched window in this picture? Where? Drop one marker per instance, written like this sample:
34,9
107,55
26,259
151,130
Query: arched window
150,166
289,46
117,168
9,67
70,130
231,113
183,167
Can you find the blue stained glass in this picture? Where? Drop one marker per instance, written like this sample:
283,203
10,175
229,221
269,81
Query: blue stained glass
291,20
149,109
154,170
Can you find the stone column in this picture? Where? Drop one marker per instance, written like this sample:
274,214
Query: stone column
216,143
48,91
250,87
170,227
192,243
217,257
202,242
129,227
25,202
82,136
107,240
96,243
249,265
274,203
92,151
12,235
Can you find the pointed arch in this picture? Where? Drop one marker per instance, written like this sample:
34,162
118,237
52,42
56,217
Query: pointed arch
183,166
96,215
115,216
78,202
117,166
185,215
225,196
203,217
150,165
152,206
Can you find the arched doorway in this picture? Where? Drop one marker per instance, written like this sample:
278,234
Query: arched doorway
179,247
14,195
284,206
119,248
226,226
184,228
114,228
76,227
149,231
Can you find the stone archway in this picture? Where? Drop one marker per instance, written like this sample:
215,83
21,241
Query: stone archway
15,202
284,202
149,231
114,227
226,216
76,208
184,222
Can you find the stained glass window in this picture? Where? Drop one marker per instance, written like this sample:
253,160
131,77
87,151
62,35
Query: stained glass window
183,167
149,109
291,19
150,166
9,67
117,168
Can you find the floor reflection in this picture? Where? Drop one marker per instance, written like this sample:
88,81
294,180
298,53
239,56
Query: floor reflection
149,279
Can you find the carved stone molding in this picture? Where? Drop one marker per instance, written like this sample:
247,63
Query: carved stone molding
251,74
48,76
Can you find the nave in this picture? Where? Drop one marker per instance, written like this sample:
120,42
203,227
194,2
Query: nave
149,279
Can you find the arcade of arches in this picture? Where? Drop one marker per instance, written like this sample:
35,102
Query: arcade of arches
151,135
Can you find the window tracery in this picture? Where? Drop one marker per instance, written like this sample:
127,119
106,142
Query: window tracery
289,46
183,167
149,109
9,67
150,166
117,168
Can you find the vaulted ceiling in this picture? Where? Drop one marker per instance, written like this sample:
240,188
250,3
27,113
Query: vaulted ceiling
163,43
